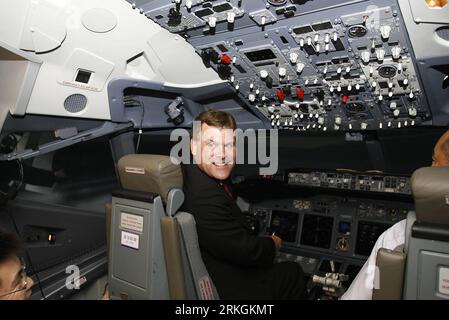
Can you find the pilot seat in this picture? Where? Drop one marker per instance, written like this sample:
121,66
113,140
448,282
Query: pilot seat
420,269
153,247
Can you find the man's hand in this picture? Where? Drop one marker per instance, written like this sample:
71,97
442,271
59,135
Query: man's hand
277,243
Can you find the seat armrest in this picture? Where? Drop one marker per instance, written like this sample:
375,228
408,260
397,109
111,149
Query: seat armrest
389,274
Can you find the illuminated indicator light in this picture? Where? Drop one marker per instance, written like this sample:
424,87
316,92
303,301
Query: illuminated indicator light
300,94
344,99
436,3
226,59
281,95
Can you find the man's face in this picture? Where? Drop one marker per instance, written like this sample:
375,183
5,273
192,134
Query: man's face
12,278
439,157
214,151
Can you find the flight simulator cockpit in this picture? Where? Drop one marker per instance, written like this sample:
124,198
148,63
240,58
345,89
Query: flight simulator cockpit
343,104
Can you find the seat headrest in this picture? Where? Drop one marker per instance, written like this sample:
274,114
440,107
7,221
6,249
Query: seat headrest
149,173
430,188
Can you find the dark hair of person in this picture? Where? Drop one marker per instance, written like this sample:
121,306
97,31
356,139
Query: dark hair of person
9,245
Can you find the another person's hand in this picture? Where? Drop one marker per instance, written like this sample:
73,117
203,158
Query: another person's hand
277,243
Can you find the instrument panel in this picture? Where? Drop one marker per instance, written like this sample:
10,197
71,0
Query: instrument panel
337,65
328,234
351,181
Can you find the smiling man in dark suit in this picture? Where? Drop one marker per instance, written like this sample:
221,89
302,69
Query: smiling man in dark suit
240,264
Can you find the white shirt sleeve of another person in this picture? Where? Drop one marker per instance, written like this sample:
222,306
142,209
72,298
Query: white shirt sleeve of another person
362,286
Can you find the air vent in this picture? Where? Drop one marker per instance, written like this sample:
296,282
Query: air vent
75,103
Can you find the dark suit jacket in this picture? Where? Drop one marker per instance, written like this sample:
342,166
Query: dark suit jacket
237,261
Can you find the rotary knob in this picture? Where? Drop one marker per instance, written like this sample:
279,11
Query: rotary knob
282,72
212,21
385,32
294,57
231,17
380,54
300,67
396,52
338,120
366,56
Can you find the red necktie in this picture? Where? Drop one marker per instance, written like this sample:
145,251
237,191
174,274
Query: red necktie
228,190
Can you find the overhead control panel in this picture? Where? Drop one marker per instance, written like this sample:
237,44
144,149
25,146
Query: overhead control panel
307,65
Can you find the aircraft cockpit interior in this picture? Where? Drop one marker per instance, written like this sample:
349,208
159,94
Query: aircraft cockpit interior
340,115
